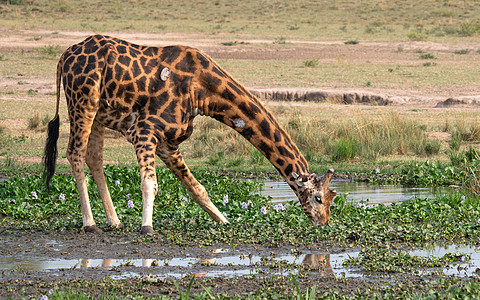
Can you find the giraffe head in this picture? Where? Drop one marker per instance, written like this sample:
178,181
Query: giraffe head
315,195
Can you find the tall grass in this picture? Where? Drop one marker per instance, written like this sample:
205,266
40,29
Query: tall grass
320,139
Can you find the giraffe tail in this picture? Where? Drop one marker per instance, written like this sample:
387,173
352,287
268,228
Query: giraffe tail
51,151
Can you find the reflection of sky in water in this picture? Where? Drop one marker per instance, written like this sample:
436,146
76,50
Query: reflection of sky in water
280,191
236,265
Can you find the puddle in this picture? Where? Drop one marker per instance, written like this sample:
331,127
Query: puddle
463,269
280,191
218,264
222,266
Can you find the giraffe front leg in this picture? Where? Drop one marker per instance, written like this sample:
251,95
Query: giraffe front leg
95,164
173,159
146,162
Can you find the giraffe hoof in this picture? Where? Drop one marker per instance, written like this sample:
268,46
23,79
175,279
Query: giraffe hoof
119,226
147,230
92,229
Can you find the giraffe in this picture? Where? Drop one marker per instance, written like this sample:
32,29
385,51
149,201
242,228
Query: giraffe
152,95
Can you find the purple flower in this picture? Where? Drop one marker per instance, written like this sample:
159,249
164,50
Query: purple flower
128,196
244,205
224,214
225,200
478,221
263,210
117,182
13,201
130,204
34,195
62,197
184,199
463,198
44,297
50,292
249,202
377,170
278,207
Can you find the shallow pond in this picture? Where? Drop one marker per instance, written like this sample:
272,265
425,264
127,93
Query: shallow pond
280,191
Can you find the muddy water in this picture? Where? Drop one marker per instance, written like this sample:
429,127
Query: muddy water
357,191
231,263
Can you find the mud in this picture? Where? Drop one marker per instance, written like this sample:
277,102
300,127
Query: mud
128,263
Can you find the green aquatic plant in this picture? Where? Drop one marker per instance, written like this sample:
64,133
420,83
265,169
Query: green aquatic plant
399,261
253,218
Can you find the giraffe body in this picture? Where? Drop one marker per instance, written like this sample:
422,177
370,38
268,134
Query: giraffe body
151,95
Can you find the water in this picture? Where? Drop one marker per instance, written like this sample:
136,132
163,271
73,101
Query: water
225,264
280,191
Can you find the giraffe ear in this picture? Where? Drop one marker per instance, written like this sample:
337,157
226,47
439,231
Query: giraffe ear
295,175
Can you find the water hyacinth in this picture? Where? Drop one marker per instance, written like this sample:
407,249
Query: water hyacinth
244,205
62,197
263,210
128,196
44,297
224,214
377,170
184,199
117,182
225,200
278,207
364,206
34,195
130,204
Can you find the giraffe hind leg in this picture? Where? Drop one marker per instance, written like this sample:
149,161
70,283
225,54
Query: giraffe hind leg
82,109
94,161
76,152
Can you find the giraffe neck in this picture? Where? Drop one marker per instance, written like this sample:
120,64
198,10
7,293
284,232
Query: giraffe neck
227,101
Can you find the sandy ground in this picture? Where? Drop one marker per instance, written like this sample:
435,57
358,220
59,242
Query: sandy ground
325,51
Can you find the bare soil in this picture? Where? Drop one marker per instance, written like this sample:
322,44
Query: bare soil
255,49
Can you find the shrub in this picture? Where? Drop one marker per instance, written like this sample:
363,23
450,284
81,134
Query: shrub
469,28
417,36
311,63
427,56
462,51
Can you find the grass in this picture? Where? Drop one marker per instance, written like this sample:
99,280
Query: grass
282,288
372,134
375,20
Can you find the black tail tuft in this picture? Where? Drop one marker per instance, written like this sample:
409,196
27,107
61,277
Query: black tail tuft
50,154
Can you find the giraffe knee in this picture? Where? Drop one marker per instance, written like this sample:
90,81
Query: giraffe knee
150,184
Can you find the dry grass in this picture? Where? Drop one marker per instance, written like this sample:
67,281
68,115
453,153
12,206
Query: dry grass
305,19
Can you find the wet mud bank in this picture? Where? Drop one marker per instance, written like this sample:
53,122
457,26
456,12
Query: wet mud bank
33,263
